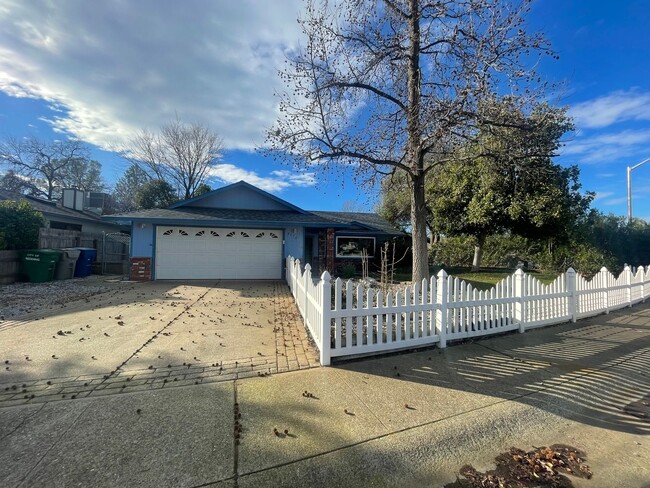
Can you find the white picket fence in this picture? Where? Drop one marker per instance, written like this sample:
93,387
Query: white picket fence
345,320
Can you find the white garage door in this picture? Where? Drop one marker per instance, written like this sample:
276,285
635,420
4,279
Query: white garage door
218,253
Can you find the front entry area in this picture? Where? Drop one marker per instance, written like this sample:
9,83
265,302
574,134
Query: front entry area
199,253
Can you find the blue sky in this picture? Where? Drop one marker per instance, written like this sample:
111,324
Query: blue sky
102,70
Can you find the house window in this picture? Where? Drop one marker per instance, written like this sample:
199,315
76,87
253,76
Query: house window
230,234
261,234
182,232
214,234
243,234
64,226
353,247
273,236
168,232
200,233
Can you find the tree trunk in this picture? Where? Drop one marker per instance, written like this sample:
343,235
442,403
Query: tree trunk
414,152
478,253
419,230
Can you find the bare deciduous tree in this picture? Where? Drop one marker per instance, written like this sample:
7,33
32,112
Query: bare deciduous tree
84,174
179,153
13,182
394,85
43,164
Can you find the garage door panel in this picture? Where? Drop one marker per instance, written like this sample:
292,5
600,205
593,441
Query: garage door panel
218,253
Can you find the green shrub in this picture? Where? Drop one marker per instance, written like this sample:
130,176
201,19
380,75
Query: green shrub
19,225
584,258
348,271
452,251
499,251
506,251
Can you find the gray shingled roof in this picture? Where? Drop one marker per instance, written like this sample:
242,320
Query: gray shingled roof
50,209
225,216
364,218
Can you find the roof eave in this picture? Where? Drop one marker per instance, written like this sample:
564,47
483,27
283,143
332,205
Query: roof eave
228,223
86,220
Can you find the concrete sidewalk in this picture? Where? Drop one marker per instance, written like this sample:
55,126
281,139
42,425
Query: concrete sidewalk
407,420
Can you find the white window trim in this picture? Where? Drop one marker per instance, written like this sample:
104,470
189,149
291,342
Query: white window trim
348,256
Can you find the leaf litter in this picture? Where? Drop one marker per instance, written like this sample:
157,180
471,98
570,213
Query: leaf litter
540,467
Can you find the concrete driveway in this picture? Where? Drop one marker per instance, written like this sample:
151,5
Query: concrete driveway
152,335
403,420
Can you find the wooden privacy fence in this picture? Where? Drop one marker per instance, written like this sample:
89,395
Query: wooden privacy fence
9,266
349,320
112,251
59,238
112,248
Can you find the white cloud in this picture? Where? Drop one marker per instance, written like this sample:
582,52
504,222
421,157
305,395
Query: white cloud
615,201
616,107
111,68
609,147
280,180
602,194
297,179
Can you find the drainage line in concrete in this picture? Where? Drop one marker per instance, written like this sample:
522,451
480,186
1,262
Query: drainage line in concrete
63,434
169,324
236,436
425,424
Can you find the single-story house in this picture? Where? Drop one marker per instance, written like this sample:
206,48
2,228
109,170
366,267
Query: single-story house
242,232
59,216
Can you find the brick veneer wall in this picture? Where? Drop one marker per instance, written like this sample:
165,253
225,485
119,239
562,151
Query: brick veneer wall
329,264
140,269
322,250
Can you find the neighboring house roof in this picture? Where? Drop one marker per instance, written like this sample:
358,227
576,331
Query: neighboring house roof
51,210
189,212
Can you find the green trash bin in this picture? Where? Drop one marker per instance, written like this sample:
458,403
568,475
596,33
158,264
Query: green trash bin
39,265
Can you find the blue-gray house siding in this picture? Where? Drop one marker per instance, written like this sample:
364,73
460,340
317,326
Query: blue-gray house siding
243,206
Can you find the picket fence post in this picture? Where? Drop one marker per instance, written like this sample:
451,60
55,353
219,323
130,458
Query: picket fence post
520,292
294,279
642,283
604,274
570,277
287,272
296,275
325,313
628,283
306,279
441,301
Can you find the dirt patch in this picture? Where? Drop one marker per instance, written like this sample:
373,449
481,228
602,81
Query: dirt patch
541,467
20,299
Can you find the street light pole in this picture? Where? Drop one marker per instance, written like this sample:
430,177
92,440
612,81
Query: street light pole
629,195
629,188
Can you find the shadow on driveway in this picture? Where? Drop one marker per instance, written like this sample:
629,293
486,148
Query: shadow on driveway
588,372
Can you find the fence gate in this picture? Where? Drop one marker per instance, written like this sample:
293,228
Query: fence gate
115,253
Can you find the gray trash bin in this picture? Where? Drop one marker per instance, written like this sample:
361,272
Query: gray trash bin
65,266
